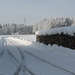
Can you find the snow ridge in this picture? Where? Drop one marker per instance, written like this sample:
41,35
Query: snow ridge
70,30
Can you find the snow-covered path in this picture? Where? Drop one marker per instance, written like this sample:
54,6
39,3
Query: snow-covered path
40,59
1,47
43,62
12,59
40,67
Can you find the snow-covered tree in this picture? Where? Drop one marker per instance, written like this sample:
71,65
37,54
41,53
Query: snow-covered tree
53,23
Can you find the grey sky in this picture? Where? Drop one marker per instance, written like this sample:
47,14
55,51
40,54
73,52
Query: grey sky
14,11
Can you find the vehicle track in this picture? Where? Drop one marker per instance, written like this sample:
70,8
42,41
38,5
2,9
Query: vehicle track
22,62
11,56
17,61
60,68
1,54
30,72
19,65
23,59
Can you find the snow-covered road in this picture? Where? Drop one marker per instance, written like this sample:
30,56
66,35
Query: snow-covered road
1,47
12,59
16,55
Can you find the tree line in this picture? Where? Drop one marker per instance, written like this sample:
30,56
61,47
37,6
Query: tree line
53,23
14,29
22,29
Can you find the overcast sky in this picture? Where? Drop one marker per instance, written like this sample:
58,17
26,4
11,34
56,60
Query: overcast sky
14,11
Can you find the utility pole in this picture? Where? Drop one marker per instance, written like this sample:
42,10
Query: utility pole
25,21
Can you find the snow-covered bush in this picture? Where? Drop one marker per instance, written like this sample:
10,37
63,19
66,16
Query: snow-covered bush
64,36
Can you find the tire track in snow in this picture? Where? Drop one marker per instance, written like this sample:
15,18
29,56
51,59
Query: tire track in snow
14,58
28,70
11,56
60,68
21,65
1,54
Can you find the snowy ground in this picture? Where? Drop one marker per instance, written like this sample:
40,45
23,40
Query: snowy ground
23,57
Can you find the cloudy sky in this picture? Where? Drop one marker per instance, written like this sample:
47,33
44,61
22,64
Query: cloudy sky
14,11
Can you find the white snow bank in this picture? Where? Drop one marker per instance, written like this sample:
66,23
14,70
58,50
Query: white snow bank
21,41
41,46
70,30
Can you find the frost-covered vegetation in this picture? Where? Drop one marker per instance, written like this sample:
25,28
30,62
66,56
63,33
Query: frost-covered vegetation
53,23
41,25
8,29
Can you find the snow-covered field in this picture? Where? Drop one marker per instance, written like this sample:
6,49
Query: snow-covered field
27,57
26,37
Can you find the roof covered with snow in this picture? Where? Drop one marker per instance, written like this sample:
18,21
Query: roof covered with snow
70,30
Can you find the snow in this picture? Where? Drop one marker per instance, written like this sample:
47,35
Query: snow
26,37
70,30
57,55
